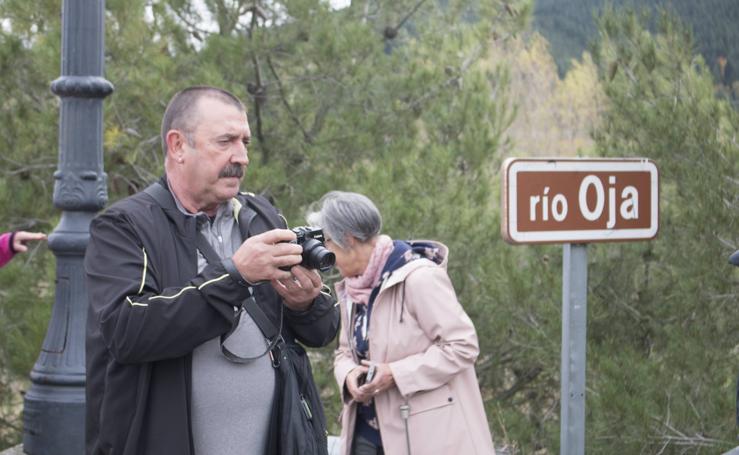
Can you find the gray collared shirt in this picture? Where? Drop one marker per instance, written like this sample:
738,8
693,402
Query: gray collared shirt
231,403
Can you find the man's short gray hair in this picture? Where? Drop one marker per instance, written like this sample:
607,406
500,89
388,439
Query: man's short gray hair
182,109
341,213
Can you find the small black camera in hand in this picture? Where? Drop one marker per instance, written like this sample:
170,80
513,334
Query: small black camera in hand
315,253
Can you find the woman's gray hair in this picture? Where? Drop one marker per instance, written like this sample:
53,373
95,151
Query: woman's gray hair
341,213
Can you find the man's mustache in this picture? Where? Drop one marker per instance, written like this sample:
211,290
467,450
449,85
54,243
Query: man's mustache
232,170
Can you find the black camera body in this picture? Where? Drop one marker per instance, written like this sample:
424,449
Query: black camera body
315,253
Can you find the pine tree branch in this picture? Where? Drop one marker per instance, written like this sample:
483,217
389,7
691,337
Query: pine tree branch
452,81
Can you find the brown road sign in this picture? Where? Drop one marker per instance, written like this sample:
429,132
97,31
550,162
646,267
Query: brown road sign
579,200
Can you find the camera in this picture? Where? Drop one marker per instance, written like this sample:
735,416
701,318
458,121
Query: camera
315,254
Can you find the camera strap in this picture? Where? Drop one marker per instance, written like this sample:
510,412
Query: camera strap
274,335
268,329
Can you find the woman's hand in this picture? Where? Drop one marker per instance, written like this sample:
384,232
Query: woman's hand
352,384
382,381
22,237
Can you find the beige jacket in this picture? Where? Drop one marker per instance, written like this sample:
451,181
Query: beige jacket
419,328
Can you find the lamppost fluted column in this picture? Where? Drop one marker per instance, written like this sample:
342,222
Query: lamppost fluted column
54,406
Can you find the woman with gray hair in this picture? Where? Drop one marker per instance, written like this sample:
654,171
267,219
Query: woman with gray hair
406,355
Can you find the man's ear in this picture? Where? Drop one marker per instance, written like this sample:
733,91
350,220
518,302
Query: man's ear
175,145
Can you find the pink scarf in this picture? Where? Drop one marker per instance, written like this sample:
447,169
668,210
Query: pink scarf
359,288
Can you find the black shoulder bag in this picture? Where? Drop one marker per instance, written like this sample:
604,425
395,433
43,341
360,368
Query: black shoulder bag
298,418
298,424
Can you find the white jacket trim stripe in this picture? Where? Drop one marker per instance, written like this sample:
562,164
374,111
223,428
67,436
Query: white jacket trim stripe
214,280
132,303
187,288
143,274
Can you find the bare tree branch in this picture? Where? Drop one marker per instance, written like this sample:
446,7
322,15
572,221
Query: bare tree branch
290,111
521,381
673,436
408,16
8,424
258,90
195,30
28,168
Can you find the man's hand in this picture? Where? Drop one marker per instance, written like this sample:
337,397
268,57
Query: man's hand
299,291
260,257
22,237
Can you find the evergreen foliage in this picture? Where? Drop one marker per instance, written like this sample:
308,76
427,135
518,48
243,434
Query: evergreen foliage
29,59
662,326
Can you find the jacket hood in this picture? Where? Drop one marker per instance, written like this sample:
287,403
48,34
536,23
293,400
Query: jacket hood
431,254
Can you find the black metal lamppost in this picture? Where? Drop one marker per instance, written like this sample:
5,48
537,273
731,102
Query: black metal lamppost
54,406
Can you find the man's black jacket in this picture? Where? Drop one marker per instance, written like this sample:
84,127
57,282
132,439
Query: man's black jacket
149,308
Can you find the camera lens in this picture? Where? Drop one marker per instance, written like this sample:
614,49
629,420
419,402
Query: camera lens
317,256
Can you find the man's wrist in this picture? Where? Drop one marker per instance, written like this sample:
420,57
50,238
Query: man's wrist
299,308
234,273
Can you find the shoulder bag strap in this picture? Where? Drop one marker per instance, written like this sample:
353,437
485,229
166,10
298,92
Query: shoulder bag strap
164,199
160,195
250,305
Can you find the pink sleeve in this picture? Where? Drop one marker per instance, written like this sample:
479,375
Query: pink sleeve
6,250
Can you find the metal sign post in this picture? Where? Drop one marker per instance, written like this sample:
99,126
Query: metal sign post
575,201
572,366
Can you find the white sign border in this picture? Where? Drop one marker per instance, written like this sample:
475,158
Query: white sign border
513,166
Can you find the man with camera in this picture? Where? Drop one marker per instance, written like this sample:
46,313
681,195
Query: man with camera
175,361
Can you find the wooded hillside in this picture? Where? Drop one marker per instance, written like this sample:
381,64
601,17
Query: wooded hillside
570,27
